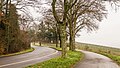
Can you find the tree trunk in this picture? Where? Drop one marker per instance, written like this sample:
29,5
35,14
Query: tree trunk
39,43
56,39
63,40
60,39
72,39
73,42
62,25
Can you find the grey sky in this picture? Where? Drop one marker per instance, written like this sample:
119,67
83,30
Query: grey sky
108,33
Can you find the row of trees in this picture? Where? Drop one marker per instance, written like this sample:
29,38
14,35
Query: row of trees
44,32
65,18
72,16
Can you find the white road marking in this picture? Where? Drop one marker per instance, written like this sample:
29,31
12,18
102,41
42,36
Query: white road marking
28,60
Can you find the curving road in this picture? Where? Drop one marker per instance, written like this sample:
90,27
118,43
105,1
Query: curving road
94,60
38,55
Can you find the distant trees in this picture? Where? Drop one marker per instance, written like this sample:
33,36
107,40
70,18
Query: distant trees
52,26
46,33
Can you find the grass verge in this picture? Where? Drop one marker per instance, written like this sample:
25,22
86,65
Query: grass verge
113,53
49,45
18,53
72,58
113,57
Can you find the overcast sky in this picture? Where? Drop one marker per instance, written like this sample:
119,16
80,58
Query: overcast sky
108,33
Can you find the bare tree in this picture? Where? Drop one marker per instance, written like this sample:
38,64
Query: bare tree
78,14
66,6
84,14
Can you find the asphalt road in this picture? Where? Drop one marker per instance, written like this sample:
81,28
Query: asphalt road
19,61
94,60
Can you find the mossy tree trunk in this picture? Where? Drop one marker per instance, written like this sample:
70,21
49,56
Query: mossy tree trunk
72,40
56,38
63,39
61,25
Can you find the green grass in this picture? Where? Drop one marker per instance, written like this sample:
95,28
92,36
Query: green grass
72,58
116,58
57,48
17,53
49,45
113,53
